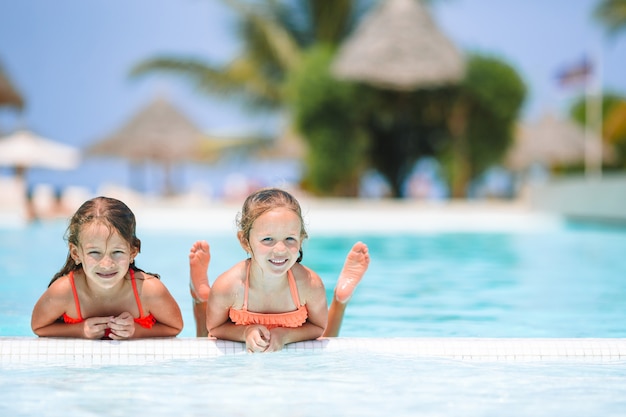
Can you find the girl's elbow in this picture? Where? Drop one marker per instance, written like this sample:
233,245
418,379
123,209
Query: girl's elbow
176,329
37,329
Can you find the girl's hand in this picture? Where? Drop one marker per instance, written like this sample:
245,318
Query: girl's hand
257,338
96,327
122,326
276,339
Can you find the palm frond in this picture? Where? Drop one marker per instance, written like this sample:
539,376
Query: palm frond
615,123
612,14
238,79
265,36
331,19
9,95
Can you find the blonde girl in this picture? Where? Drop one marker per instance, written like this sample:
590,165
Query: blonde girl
271,299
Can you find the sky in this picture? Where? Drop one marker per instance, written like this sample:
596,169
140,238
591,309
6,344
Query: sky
70,59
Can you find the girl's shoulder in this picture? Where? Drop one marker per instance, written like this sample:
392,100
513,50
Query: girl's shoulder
61,288
310,285
148,282
305,276
232,278
144,276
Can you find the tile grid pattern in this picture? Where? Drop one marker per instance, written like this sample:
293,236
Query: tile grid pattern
30,350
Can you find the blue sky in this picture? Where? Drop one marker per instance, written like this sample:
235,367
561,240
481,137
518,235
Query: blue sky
70,58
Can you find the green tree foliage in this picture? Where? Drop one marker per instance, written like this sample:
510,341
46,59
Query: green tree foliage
494,94
350,127
274,34
402,128
613,124
467,128
326,113
612,14
287,48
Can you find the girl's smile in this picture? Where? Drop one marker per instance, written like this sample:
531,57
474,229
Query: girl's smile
104,254
275,240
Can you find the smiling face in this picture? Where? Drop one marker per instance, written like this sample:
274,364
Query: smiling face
103,253
275,240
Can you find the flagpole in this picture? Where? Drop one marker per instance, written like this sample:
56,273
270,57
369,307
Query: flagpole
593,124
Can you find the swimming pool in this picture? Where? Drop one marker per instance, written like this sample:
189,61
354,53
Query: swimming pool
431,287
564,282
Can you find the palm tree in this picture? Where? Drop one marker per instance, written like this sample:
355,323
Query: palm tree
612,14
275,34
9,96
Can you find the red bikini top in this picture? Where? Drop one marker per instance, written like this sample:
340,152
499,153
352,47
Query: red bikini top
144,321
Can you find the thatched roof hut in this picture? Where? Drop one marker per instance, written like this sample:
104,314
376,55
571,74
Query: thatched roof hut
399,47
158,132
549,141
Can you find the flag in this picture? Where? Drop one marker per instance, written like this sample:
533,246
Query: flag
575,74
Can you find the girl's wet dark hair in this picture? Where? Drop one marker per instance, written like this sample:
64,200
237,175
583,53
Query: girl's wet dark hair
110,212
264,200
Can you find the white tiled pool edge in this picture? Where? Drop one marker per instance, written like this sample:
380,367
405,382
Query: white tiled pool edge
32,350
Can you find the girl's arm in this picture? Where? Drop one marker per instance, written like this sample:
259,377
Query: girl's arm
53,303
221,298
160,303
315,299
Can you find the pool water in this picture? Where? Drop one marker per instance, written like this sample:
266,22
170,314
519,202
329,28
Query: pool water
309,384
568,282
560,283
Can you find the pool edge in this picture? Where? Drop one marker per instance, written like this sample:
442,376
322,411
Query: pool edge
33,350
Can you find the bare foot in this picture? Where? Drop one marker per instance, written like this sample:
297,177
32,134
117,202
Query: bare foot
199,258
353,270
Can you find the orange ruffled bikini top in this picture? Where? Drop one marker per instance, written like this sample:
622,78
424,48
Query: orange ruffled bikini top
294,318
144,321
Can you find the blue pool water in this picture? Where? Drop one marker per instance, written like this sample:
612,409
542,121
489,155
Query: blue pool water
330,384
559,283
569,282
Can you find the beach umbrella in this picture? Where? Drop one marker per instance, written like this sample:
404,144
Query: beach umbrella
158,132
549,141
399,47
24,149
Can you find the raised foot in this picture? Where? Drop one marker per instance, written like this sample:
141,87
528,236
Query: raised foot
199,258
354,268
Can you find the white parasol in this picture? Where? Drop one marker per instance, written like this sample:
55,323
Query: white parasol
24,149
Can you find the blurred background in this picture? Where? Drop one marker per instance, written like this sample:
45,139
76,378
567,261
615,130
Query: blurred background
404,99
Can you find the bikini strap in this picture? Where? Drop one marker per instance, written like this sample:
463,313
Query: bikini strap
76,301
132,279
293,288
245,291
